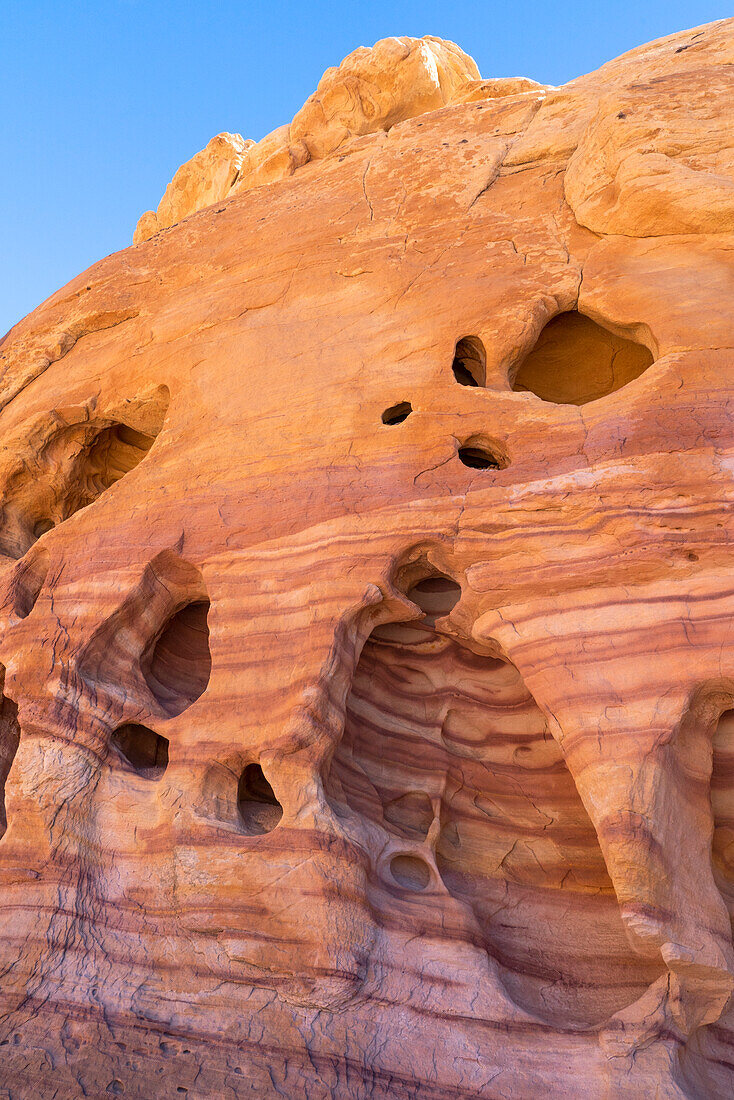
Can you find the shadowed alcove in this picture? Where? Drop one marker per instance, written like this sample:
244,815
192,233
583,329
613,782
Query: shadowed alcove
73,466
236,795
397,414
476,455
9,741
441,740
575,360
436,595
152,654
258,807
470,362
145,751
178,663
28,581
722,807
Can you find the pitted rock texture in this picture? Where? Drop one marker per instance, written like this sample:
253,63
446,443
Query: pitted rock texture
367,724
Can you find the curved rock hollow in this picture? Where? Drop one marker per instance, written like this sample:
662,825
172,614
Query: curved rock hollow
365,606
577,360
145,751
722,806
154,648
470,362
478,452
446,751
9,741
68,466
177,663
28,582
396,414
259,809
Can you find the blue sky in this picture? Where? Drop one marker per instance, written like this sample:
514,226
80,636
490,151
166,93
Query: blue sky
102,101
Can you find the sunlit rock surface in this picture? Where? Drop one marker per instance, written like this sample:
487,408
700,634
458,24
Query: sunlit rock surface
367,637
372,89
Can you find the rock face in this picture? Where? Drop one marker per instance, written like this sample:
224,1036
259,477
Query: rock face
367,726
370,91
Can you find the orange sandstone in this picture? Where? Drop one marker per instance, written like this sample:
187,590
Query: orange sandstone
367,726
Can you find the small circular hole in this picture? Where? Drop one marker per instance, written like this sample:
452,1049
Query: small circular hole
410,872
477,458
396,414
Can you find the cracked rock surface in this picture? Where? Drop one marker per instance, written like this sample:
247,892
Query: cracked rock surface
366,650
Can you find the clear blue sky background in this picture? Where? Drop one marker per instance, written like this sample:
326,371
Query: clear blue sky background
101,100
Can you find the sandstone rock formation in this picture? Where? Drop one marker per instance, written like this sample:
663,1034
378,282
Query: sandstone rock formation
367,726
371,90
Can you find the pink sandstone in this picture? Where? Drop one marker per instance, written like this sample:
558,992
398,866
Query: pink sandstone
366,607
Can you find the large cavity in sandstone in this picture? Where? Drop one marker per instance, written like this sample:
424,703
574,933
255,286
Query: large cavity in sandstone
447,751
722,807
576,360
73,466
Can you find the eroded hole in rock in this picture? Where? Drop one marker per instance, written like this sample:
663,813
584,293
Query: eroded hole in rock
115,452
722,807
410,872
9,741
28,582
41,527
431,724
178,664
470,362
396,414
71,468
259,809
479,458
436,596
410,815
576,360
143,749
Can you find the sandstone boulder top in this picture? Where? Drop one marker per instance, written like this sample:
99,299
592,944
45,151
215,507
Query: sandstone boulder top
633,175
372,90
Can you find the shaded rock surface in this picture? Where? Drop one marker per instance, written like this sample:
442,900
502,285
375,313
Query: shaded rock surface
367,722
